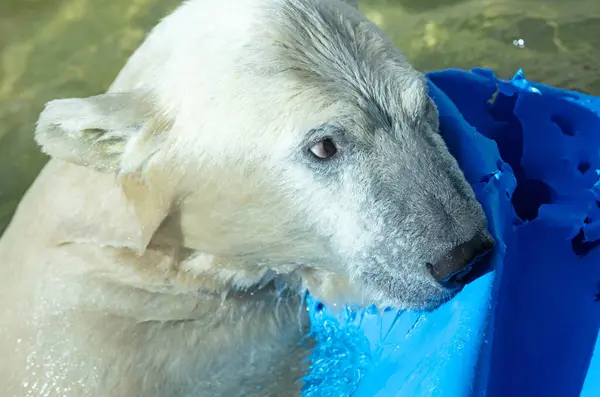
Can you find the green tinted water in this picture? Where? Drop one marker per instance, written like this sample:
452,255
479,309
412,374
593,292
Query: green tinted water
64,48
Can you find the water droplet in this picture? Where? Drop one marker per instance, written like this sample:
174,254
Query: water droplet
519,43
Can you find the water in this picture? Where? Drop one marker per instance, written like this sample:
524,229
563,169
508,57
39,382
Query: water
64,48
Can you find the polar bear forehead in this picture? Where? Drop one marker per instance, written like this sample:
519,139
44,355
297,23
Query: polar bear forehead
333,50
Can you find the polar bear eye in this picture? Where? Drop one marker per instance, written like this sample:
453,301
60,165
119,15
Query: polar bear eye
324,149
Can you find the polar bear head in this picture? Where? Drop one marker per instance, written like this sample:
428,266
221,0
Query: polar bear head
288,136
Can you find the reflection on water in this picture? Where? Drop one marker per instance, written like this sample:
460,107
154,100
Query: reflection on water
64,48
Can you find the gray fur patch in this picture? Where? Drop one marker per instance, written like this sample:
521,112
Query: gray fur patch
393,199
342,55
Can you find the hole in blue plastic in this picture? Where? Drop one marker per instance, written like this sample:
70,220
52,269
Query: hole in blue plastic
503,107
583,167
529,196
319,307
565,125
581,247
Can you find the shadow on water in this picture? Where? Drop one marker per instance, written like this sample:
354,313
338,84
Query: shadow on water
61,48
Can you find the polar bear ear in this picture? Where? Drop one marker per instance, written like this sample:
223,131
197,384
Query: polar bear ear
115,133
103,132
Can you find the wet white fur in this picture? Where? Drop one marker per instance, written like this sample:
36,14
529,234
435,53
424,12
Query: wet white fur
134,264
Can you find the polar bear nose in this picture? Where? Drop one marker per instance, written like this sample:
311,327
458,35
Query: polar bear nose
452,270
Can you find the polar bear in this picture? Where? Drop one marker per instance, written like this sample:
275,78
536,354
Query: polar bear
249,150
